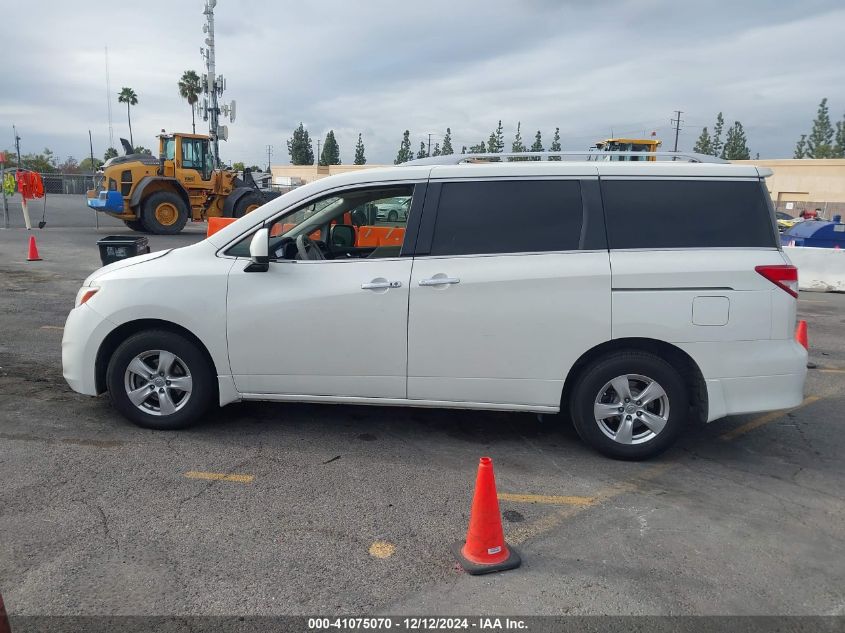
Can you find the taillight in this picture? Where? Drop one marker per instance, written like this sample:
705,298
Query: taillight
782,275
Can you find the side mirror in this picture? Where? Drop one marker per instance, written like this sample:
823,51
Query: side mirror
342,236
259,249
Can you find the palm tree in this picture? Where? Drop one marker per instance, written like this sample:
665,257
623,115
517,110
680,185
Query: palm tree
128,96
190,89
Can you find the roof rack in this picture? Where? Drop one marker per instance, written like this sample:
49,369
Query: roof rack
457,159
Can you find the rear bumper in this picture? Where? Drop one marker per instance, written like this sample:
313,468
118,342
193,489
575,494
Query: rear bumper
732,372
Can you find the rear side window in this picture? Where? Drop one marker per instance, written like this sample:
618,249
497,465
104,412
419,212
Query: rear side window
507,216
686,214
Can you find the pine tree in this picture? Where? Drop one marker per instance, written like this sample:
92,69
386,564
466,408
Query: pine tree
481,148
405,154
496,142
360,159
716,144
463,149
331,151
801,147
703,145
437,150
555,146
839,144
537,146
299,147
422,153
820,140
736,145
447,143
518,145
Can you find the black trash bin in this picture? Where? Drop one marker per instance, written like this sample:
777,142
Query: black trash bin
116,247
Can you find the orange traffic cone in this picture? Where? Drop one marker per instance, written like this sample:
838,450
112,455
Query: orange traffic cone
33,251
801,334
485,549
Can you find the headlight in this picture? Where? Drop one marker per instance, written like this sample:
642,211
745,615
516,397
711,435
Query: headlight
84,294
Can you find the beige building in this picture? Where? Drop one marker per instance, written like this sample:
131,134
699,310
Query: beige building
295,175
808,183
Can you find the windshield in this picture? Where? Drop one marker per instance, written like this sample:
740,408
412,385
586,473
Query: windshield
169,148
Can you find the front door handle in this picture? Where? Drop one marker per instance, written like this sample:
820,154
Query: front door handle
380,285
439,281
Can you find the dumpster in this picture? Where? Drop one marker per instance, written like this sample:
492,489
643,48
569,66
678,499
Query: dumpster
815,233
116,247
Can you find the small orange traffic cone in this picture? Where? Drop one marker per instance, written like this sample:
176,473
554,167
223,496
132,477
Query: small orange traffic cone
801,334
485,549
33,251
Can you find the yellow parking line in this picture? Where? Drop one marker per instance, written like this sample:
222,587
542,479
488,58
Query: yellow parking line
551,500
242,479
551,521
764,419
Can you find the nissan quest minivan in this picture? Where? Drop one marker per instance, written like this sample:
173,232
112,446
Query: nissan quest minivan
632,297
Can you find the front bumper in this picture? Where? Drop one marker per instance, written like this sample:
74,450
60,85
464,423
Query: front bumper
108,201
85,331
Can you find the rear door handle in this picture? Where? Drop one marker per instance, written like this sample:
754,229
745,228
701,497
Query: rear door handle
381,285
439,281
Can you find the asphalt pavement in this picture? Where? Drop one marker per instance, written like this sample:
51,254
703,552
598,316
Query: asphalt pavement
328,509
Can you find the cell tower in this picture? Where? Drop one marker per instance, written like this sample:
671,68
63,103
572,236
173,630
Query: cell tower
108,99
213,86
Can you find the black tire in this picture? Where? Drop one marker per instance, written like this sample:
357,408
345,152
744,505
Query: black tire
202,390
135,225
160,223
589,390
392,216
248,203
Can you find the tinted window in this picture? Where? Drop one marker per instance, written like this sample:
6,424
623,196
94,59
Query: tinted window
512,216
686,214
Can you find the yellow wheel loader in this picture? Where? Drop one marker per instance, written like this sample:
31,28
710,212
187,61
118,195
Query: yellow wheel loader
159,195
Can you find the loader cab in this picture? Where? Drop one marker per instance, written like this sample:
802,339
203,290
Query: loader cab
646,146
187,158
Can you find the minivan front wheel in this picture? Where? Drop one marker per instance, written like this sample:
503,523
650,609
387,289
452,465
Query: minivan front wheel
160,380
629,405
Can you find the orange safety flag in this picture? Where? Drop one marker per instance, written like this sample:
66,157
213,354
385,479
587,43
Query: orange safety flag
30,184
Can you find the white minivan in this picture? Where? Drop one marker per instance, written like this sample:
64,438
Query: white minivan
631,296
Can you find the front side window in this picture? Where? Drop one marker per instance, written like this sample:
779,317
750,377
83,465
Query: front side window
508,216
372,224
686,214
169,149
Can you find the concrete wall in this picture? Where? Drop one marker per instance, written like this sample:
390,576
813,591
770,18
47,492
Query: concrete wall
309,173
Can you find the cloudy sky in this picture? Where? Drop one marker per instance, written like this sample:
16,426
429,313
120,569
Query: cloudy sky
378,67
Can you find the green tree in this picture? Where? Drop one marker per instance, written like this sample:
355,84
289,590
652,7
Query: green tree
496,142
360,159
447,143
537,145
555,146
69,166
140,149
481,148
86,166
839,144
239,166
820,140
801,147
331,151
405,153
437,151
110,153
422,153
463,149
45,162
299,147
716,144
518,146
704,144
190,89
736,145
128,96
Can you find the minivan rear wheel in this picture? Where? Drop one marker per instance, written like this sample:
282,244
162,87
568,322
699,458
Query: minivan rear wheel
160,380
629,405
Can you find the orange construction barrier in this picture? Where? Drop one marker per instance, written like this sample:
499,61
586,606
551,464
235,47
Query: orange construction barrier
801,334
215,224
485,549
33,255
